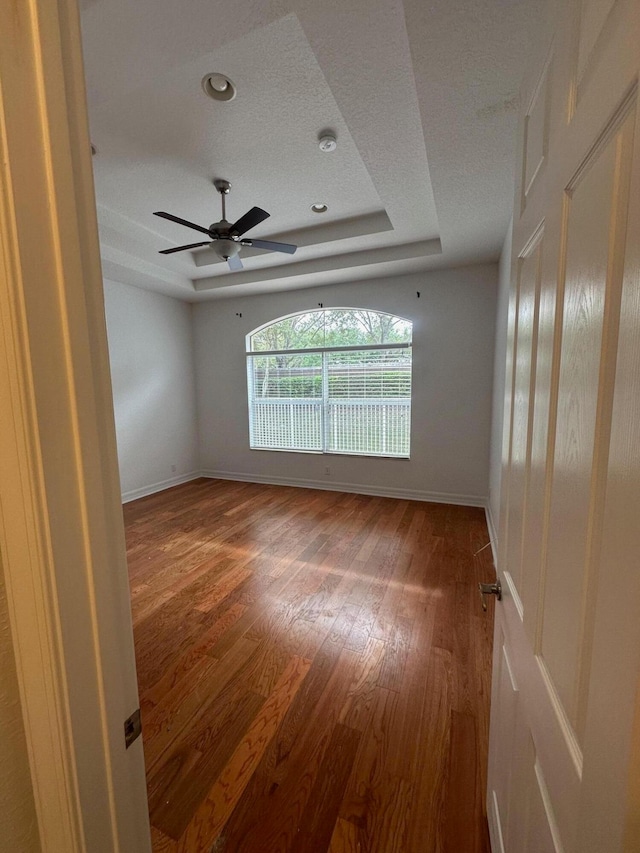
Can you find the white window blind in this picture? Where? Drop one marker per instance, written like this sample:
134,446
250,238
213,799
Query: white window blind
334,400
285,401
368,402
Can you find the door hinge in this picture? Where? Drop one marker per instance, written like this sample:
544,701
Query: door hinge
132,728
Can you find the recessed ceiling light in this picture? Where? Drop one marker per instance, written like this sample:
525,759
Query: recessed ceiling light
319,208
218,87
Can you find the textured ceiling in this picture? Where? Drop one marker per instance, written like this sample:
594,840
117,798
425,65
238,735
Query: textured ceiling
422,97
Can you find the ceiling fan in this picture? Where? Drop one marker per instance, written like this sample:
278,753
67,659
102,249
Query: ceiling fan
225,238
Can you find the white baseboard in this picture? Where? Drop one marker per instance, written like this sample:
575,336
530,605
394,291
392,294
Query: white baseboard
351,488
493,533
134,494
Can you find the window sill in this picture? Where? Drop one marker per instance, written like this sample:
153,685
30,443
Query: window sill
331,453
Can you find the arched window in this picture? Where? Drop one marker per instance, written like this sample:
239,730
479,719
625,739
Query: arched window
336,380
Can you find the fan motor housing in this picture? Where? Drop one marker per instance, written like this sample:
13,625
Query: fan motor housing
220,228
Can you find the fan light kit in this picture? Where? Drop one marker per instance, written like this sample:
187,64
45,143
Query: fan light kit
218,87
327,142
319,208
224,238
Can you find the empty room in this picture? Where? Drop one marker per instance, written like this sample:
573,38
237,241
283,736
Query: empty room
320,369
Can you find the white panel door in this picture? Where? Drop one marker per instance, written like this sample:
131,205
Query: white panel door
564,771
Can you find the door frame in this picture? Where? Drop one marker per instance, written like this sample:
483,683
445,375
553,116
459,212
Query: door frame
61,528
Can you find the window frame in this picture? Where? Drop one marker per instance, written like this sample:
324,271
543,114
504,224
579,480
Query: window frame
325,398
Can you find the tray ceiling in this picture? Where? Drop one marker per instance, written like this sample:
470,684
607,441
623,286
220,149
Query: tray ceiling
422,98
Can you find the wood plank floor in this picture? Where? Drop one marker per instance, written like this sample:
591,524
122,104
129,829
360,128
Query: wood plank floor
314,670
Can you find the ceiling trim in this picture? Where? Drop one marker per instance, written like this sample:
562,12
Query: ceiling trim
129,269
418,249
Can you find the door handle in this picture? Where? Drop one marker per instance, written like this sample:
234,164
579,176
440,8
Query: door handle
490,589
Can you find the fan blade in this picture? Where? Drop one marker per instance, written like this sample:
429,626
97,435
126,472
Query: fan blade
177,219
235,263
251,218
289,248
182,248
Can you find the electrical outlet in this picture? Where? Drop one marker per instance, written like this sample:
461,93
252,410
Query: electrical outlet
327,471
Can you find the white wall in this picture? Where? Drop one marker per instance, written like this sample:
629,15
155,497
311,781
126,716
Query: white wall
453,363
499,365
152,373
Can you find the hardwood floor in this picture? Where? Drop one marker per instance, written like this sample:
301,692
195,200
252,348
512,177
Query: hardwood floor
314,670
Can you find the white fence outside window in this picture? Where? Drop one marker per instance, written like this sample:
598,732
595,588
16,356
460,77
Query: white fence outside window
352,401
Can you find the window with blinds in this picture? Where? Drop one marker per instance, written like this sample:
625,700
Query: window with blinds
331,381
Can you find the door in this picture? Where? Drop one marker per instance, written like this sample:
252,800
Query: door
564,766
61,530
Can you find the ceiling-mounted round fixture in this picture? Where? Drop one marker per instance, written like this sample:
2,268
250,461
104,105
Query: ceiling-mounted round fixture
327,142
319,208
218,87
